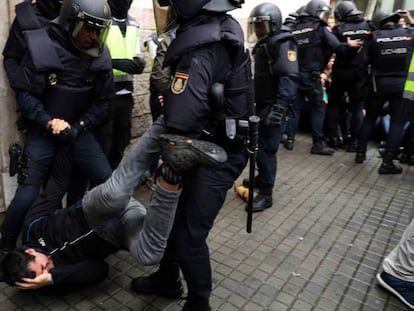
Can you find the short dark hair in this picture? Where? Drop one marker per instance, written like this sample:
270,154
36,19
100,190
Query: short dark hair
15,266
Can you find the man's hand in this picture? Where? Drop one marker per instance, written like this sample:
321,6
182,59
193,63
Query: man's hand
55,126
355,43
38,282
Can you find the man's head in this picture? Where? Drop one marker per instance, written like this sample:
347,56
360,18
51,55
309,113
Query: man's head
264,20
190,8
24,263
317,8
120,8
87,24
382,18
346,10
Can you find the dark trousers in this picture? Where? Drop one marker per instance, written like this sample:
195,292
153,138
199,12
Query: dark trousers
40,151
310,94
269,141
204,192
336,100
114,136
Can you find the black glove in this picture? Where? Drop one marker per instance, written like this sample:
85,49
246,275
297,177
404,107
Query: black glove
170,175
275,116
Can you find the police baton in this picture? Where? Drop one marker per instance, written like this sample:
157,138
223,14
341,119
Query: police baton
252,147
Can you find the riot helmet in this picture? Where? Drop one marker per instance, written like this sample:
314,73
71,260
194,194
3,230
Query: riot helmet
87,24
119,8
190,8
346,9
317,8
49,8
381,18
264,20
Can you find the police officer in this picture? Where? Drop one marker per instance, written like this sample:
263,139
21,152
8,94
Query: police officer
349,75
29,16
210,94
315,46
389,53
124,46
275,80
62,87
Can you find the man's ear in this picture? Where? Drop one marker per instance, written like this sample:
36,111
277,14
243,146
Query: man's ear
30,251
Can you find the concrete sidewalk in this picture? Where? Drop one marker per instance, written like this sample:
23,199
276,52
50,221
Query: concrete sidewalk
318,248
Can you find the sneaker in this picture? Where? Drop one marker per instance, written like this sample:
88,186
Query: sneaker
389,168
155,285
261,202
404,290
322,149
182,153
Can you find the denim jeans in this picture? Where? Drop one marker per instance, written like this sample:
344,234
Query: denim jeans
120,219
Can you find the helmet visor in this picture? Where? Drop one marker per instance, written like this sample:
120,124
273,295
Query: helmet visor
258,28
89,34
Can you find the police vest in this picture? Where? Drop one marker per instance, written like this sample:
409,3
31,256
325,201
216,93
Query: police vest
359,30
310,49
238,88
70,84
122,47
409,83
392,51
267,69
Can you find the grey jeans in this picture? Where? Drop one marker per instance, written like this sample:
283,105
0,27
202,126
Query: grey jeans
120,219
400,262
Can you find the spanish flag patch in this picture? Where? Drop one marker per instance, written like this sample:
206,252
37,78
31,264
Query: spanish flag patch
179,82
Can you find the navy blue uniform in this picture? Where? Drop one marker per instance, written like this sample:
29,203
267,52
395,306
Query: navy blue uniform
55,81
275,80
217,56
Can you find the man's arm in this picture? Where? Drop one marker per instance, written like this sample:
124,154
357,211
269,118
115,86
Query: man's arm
82,273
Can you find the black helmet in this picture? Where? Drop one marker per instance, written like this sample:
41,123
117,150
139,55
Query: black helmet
77,14
317,8
381,18
119,8
346,9
190,8
49,8
268,15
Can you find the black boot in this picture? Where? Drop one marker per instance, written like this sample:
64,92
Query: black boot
335,142
388,167
360,155
261,202
197,305
288,144
156,284
258,183
182,153
321,148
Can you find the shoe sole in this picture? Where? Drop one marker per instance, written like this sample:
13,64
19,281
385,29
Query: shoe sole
393,291
209,153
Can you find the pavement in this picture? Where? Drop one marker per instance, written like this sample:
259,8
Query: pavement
318,248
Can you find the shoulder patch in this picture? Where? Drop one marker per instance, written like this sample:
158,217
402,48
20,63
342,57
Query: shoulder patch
291,55
179,82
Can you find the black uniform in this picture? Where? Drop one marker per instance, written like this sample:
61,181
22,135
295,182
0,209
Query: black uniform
389,53
275,80
350,76
216,56
315,46
54,80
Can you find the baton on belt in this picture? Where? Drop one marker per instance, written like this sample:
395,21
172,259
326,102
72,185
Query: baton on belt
252,147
